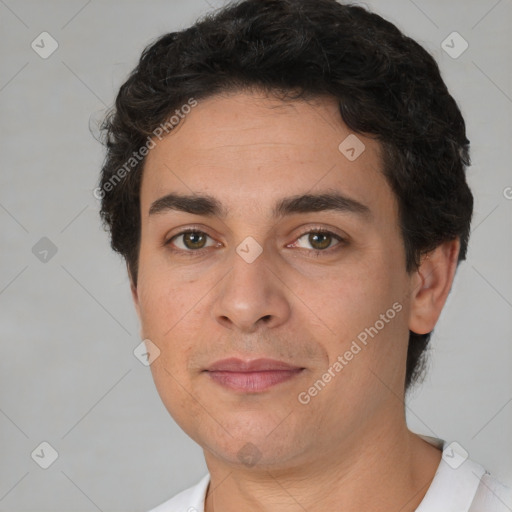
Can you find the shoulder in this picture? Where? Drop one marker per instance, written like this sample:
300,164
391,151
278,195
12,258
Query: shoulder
189,500
463,485
492,496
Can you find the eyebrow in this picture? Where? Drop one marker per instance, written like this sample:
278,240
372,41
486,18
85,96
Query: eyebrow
208,206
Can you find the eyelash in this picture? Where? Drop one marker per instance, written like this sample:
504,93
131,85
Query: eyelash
315,252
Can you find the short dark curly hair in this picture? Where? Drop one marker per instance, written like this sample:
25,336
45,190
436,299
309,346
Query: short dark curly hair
385,83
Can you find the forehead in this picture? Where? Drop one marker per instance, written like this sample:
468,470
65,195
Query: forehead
250,149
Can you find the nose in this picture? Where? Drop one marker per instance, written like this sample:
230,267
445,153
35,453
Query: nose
251,296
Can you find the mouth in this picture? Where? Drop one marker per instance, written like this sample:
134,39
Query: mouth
251,376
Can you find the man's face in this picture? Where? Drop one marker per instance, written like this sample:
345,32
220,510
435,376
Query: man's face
304,300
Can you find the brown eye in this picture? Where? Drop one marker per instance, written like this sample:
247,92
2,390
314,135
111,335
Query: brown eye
320,240
189,241
194,240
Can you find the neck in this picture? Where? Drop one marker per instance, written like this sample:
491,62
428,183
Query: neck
386,469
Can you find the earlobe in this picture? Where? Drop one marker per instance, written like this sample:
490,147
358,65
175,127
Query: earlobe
432,283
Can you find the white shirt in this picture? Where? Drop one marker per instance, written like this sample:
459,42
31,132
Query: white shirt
467,488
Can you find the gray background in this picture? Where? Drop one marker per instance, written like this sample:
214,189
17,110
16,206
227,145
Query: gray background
68,328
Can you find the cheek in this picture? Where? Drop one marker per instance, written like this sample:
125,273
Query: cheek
172,313
163,298
347,298
166,321
172,387
365,302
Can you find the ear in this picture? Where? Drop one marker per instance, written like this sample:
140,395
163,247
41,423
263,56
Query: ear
135,294
431,284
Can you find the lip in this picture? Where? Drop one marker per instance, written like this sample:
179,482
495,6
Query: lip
251,376
233,364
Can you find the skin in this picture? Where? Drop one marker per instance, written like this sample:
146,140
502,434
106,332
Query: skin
249,150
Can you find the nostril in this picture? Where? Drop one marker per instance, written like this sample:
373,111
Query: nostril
225,321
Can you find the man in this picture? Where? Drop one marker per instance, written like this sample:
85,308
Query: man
286,181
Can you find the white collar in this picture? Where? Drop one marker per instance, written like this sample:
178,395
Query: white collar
454,486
